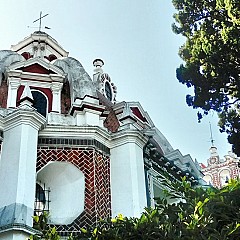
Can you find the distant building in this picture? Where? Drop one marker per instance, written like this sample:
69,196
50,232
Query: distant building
218,171
68,147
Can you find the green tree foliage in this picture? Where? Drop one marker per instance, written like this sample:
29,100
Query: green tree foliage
45,231
212,59
197,214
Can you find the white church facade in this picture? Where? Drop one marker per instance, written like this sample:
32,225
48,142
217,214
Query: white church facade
67,145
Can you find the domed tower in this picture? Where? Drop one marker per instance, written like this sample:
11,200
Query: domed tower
52,128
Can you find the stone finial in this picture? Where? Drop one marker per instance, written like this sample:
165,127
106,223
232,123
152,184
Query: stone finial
98,63
26,97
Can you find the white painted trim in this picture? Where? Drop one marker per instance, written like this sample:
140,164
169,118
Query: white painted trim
83,132
47,65
123,109
110,140
35,76
43,37
24,116
13,85
127,136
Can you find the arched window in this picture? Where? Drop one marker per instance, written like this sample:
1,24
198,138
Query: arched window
108,91
224,177
208,179
40,102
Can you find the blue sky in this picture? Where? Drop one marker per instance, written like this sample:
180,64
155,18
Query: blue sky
135,40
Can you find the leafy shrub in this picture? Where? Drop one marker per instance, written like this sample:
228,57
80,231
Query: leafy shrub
197,214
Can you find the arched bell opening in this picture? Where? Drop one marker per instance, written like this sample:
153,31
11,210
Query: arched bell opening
40,102
208,179
224,177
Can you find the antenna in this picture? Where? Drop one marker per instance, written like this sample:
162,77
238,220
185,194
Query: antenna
211,135
40,20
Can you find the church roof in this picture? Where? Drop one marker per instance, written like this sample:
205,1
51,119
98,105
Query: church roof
39,38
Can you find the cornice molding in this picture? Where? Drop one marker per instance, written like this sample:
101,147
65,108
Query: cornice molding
24,115
13,81
129,136
79,132
20,228
35,76
85,106
111,140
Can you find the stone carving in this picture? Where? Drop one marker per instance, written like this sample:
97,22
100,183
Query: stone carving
80,82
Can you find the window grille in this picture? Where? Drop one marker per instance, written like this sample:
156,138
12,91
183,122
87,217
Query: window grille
41,199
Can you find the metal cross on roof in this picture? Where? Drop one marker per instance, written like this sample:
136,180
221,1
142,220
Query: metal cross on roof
40,20
212,141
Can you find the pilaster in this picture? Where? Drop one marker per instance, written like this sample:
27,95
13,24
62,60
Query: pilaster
128,189
13,86
56,91
18,170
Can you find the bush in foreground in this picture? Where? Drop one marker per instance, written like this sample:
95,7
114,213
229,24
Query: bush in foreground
198,213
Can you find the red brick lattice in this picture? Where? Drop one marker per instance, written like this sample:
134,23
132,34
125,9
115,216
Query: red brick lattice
96,168
3,94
